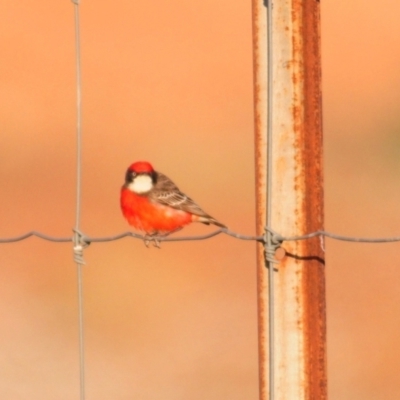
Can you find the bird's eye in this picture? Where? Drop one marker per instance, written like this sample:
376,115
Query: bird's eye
133,174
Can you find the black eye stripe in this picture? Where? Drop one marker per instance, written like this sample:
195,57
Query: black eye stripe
131,175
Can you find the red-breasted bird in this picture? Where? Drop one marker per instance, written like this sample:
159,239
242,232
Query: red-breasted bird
152,203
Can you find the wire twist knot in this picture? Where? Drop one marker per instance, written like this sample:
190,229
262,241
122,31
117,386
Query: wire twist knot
272,241
80,243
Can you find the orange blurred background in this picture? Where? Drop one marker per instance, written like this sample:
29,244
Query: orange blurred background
171,82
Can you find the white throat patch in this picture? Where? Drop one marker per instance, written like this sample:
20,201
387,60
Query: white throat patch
141,184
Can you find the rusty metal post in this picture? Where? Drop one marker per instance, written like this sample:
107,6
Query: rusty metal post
295,200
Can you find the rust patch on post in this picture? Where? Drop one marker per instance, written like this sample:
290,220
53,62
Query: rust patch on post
314,274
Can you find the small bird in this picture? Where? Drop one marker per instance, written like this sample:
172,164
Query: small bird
152,203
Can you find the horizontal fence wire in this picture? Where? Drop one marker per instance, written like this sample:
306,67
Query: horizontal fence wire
276,237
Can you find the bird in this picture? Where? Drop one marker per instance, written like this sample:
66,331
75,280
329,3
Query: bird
153,204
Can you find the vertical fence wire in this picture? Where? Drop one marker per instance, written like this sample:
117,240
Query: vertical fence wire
77,237
78,115
269,244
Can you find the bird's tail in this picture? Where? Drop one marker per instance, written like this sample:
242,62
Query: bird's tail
210,220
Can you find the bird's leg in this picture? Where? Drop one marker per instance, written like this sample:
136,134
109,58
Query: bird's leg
156,236
151,237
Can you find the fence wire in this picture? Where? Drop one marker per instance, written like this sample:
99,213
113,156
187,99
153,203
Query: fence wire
276,237
79,245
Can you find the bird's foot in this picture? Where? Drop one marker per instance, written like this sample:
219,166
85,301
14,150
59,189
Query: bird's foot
157,237
152,237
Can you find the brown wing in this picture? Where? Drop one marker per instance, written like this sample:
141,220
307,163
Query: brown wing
167,193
